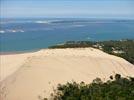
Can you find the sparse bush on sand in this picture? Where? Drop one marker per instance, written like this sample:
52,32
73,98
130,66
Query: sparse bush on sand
117,88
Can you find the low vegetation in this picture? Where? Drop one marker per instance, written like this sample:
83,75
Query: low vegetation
122,48
117,88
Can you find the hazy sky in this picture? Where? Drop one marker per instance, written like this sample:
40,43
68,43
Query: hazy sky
68,8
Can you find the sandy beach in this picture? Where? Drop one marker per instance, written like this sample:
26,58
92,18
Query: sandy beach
27,76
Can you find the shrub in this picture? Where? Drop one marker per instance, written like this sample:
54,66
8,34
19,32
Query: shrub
118,89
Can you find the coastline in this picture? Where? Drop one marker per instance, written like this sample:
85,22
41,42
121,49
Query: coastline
19,52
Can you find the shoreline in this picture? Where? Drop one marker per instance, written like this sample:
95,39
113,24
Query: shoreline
20,52
34,50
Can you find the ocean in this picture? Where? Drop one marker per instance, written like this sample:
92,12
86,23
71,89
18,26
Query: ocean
34,34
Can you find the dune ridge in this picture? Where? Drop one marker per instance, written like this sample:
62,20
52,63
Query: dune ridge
29,75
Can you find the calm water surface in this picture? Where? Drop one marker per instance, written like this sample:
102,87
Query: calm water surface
34,34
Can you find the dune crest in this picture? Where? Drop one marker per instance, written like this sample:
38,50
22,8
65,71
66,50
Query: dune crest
29,75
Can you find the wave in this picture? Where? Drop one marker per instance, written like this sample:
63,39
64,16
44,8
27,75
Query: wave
45,22
14,31
1,31
11,31
29,21
57,21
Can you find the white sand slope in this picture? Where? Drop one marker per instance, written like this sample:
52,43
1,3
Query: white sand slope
26,76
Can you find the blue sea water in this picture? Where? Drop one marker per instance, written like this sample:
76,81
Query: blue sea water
34,34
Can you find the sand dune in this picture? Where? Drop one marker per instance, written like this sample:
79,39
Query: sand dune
29,75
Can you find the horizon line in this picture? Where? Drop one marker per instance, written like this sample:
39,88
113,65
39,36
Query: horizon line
69,17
